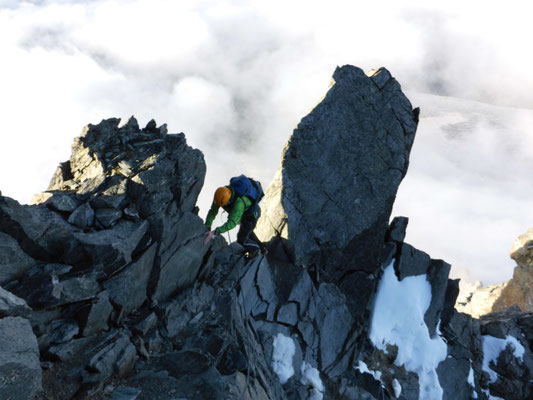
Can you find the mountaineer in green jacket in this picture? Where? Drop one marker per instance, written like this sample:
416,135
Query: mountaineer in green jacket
240,200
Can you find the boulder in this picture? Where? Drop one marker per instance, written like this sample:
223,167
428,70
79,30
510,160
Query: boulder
114,355
94,316
13,260
20,369
57,201
107,216
40,233
181,254
12,306
127,289
44,287
82,217
113,248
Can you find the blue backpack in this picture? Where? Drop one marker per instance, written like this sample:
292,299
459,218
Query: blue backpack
249,187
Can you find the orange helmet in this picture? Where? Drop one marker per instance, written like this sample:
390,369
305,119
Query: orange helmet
222,196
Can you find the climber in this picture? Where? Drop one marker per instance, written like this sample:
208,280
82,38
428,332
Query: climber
240,199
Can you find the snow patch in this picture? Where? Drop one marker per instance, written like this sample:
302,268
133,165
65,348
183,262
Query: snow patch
398,319
282,355
396,387
362,367
471,377
311,377
471,382
492,347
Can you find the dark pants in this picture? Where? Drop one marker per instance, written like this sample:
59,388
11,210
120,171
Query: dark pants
246,236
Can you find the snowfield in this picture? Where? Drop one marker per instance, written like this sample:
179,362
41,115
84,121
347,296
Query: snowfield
398,319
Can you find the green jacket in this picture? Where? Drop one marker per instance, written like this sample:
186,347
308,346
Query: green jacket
236,207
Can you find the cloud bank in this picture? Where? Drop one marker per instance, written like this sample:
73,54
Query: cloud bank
237,76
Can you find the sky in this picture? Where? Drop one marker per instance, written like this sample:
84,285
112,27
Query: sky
237,76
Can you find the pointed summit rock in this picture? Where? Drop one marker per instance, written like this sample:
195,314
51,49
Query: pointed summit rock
331,199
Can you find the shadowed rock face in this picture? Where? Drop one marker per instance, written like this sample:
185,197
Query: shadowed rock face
106,280
330,201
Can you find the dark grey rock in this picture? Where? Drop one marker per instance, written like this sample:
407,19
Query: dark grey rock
63,331
78,289
360,386
59,201
288,314
128,288
146,324
151,126
153,341
180,311
62,202
463,335
113,248
163,129
13,260
184,363
411,262
11,305
131,125
83,216
265,283
249,296
114,355
388,253
69,350
309,335
125,393
20,369
107,216
335,323
39,289
57,269
181,254
453,376
40,233
397,229
114,196
500,324
232,361
177,319
437,276
339,218
96,314
304,293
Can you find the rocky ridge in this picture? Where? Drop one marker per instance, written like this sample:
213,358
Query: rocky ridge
516,292
108,291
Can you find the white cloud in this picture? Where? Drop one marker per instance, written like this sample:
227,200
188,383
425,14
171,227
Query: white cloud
237,76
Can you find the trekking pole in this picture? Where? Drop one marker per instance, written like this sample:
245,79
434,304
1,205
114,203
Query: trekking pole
221,220
229,236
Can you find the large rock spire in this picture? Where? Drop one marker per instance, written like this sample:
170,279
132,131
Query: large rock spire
331,198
